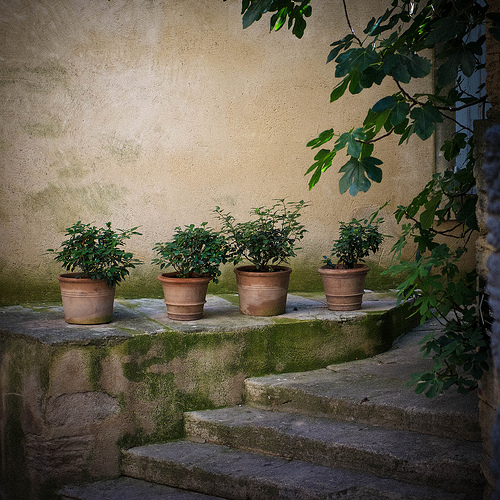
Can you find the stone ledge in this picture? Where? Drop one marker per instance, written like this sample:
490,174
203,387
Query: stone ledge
45,322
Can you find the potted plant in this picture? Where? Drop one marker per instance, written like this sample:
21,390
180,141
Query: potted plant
195,255
344,281
101,263
267,241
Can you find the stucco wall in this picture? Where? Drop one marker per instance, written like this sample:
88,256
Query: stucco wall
151,113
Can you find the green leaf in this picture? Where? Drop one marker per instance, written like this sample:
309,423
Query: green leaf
372,75
340,89
354,178
323,137
385,103
443,30
396,65
323,162
279,19
453,146
254,12
461,58
299,26
468,63
359,58
418,67
315,177
428,215
354,86
353,142
372,170
399,113
406,134
425,119
339,45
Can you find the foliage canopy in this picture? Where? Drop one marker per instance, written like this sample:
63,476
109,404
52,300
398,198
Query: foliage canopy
357,239
270,238
97,252
194,252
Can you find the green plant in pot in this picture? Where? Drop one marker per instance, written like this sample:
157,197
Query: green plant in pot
267,241
343,280
97,262
195,254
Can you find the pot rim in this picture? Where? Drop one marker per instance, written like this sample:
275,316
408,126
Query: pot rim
358,269
249,270
173,278
78,277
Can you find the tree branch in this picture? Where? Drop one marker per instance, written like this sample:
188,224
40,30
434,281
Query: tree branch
349,24
459,108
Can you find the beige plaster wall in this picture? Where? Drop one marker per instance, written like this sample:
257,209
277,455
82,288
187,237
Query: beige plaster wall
151,113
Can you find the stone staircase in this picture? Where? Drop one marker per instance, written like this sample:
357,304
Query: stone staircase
349,431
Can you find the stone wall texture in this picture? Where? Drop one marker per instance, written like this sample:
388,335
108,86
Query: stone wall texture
489,394
153,113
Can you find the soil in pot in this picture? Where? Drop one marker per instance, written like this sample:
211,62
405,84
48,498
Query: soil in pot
262,293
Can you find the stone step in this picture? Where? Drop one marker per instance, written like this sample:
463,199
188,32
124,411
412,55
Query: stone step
241,475
409,456
352,395
373,391
126,488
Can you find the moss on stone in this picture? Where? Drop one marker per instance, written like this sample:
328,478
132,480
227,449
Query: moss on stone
122,401
95,356
172,372
140,344
130,440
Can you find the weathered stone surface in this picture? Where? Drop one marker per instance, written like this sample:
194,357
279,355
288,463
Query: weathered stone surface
102,388
493,66
79,409
66,456
241,475
388,446
491,171
68,373
126,488
372,391
451,464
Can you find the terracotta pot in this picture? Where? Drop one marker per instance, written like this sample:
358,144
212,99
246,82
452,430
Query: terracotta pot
344,288
262,294
86,301
184,297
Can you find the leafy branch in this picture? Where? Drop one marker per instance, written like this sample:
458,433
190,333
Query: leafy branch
391,48
436,285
